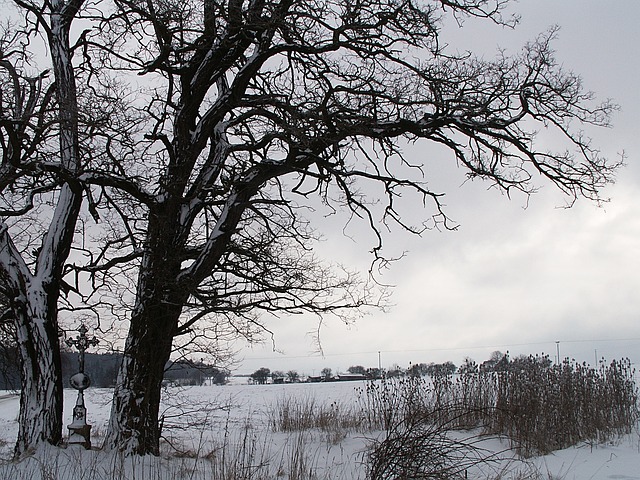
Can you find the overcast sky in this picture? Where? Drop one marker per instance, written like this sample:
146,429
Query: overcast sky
510,278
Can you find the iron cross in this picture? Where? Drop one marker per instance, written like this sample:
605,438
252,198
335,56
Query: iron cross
82,342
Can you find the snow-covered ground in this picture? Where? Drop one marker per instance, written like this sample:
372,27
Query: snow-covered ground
205,424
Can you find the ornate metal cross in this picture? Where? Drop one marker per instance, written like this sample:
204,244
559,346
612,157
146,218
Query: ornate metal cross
82,343
79,430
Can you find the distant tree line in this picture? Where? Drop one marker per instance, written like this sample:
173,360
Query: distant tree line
102,368
263,374
498,361
185,372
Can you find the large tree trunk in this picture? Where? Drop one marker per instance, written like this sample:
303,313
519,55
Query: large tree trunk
35,295
34,299
40,417
134,426
160,297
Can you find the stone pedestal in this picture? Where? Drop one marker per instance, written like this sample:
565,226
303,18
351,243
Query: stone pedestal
80,436
79,431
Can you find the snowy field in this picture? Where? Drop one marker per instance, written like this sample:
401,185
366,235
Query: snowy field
203,425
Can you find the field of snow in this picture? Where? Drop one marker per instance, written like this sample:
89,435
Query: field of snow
211,430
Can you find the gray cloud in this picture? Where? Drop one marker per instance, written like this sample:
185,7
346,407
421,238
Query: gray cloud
511,278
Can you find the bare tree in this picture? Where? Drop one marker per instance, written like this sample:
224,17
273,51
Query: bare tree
249,112
252,108
40,203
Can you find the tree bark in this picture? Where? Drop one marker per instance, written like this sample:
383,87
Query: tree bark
33,297
134,426
33,300
40,417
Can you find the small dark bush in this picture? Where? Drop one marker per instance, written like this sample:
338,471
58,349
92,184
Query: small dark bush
423,448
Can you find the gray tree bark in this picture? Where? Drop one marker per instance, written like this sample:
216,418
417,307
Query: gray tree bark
33,296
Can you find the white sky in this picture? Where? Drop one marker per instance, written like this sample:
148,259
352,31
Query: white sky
510,279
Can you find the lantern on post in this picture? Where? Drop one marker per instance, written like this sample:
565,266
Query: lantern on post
79,430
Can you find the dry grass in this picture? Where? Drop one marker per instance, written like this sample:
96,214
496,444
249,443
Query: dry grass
295,415
409,423
539,407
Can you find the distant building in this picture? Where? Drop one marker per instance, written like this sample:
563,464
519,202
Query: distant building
350,377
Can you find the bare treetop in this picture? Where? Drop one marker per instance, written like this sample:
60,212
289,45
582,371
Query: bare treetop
243,93
201,130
